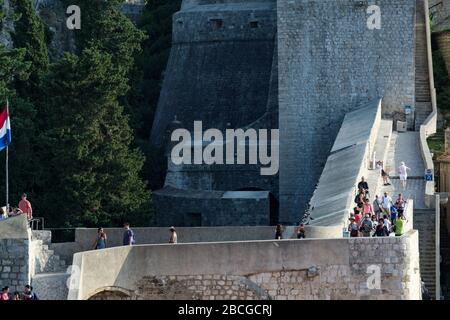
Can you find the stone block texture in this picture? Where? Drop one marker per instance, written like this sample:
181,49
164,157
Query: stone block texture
329,62
14,257
376,269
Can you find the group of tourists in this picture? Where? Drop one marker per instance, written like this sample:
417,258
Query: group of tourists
24,207
379,218
27,294
129,238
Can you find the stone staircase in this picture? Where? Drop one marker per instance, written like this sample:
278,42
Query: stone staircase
445,254
422,81
424,222
50,276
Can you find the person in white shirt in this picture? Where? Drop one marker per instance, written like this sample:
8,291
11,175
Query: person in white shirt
403,173
387,203
173,236
387,223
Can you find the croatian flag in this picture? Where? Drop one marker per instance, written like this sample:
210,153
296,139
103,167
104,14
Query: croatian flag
5,131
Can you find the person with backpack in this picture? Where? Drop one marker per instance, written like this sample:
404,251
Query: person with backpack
366,226
377,207
128,235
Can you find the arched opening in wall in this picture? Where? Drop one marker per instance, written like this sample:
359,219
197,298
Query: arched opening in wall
273,205
111,293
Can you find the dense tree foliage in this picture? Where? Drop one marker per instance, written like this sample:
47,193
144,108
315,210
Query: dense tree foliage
92,171
30,35
81,125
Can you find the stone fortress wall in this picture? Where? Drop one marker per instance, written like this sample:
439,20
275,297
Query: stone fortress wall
222,71
329,63
299,269
224,61
15,254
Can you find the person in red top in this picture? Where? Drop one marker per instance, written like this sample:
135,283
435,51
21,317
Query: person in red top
25,207
5,294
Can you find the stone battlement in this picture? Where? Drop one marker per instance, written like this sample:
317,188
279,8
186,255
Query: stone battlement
322,269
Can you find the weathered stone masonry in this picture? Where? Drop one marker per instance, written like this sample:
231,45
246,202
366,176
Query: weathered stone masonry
14,264
329,62
299,269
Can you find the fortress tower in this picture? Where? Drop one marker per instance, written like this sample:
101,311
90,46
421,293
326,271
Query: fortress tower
222,71
296,65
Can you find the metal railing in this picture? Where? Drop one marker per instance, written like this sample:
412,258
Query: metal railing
35,222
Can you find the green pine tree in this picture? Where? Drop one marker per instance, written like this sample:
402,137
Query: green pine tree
93,174
23,168
30,35
104,26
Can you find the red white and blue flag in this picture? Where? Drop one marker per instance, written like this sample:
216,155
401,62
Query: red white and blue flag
5,131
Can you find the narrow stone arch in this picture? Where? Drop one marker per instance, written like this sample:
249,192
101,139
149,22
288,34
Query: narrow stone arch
111,293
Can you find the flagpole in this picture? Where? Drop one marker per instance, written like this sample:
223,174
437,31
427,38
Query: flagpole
7,165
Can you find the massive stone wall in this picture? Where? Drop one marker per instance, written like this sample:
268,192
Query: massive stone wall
329,62
220,65
299,269
222,71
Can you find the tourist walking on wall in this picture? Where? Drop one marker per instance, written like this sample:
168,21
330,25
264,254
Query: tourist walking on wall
400,225
366,226
367,207
394,214
353,228
301,234
383,173
403,173
25,206
400,203
29,294
128,235
387,223
377,206
100,241
387,203
363,185
279,232
173,235
381,230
